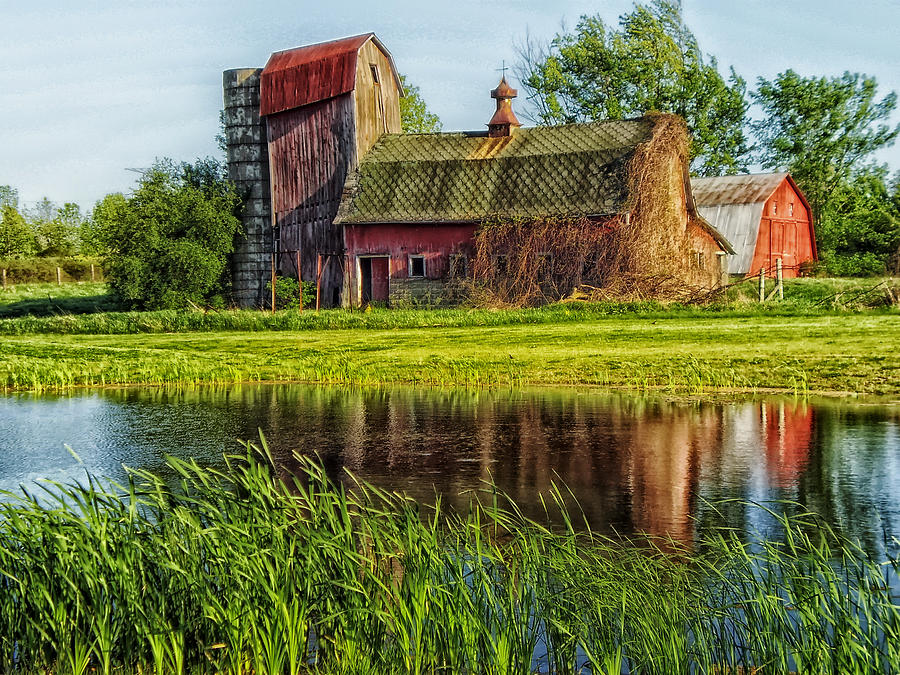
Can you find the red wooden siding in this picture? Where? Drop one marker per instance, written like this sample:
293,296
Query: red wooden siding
784,233
435,241
311,150
381,279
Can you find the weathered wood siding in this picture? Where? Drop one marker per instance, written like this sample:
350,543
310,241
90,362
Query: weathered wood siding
786,232
705,265
377,106
311,149
436,242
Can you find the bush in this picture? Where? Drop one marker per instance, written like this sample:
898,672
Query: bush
854,264
167,244
31,270
287,293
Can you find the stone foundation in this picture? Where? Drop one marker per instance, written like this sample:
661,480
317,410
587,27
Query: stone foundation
404,292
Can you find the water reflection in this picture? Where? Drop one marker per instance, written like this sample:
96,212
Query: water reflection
634,463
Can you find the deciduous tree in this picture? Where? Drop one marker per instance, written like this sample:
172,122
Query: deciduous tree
821,129
859,229
414,114
9,196
16,237
167,244
652,61
59,236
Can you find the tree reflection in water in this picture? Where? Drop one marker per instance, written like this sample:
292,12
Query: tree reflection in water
635,464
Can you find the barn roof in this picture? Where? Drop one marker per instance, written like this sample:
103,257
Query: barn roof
465,177
744,189
297,77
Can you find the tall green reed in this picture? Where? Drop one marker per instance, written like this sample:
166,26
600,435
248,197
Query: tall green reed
256,569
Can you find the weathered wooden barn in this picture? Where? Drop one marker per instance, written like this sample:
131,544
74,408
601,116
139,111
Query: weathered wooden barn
294,130
764,216
411,210
314,141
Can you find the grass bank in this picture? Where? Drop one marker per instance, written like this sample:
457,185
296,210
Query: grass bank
303,577
87,309
841,353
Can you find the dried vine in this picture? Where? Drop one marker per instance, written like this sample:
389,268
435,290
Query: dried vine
647,253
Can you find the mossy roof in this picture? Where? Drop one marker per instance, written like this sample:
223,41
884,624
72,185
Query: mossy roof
574,169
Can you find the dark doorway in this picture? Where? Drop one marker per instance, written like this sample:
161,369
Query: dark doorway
365,271
375,277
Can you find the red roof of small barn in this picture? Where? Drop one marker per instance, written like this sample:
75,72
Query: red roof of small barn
297,77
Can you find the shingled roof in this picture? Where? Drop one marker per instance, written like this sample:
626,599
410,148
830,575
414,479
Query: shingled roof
575,169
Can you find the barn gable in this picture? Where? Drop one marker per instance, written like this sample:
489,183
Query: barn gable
298,77
736,206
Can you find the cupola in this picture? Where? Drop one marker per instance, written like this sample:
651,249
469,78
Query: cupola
504,118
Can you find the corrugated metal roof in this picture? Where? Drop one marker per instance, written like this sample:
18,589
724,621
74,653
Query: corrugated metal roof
739,224
297,77
563,170
744,189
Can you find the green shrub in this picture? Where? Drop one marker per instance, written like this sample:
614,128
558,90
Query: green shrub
854,264
33,270
287,293
168,243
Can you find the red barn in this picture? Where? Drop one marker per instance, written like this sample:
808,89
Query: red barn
764,216
411,210
324,106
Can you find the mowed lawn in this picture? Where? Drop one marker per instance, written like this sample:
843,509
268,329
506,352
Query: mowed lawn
857,353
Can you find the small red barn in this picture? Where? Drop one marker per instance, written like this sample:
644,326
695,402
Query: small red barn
764,216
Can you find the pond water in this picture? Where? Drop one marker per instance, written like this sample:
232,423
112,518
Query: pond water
634,463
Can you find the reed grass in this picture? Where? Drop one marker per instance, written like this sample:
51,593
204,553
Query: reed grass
250,569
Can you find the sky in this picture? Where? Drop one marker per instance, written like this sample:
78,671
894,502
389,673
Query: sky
89,89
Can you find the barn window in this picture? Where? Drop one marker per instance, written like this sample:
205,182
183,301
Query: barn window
791,210
379,102
417,265
459,266
774,208
698,260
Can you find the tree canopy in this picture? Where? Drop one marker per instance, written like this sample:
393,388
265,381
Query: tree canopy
414,114
168,243
651,62
821,129
9,196
16,237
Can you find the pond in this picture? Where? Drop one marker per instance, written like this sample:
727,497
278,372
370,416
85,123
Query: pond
634,463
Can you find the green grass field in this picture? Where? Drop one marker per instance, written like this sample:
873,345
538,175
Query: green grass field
827,336
43,299
847,353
